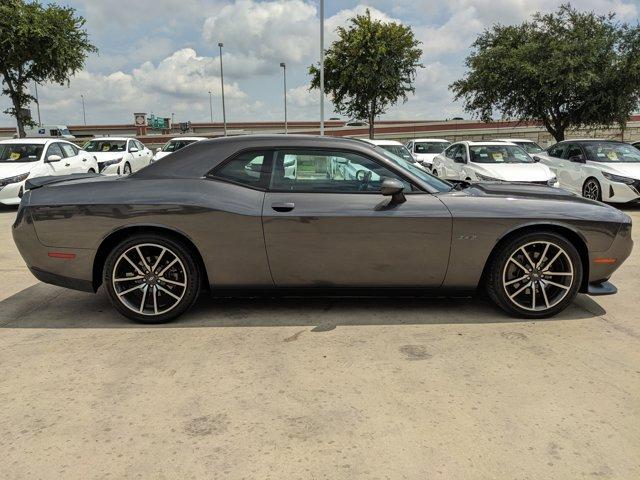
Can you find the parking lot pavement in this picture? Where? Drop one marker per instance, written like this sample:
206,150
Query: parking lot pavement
336,389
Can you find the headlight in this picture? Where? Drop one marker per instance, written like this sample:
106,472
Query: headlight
18,178
484,178
618,178
106,163
552,181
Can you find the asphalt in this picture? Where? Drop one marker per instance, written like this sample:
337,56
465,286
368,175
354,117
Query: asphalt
316,389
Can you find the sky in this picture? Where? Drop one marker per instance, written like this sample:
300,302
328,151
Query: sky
162,56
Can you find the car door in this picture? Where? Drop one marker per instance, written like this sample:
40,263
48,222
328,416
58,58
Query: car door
73,158
450,170
57,167
146,153
553,158
335,229
574,167
136,155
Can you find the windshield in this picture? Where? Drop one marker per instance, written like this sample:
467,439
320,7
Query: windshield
399,151
530,147
499,154
431,147
20,152
65,131
175,145
439,185
611,152
105,146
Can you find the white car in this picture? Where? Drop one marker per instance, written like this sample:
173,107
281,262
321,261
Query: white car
424,150
527,145
174,145
119,155
602,170
491,162
25,158
394,147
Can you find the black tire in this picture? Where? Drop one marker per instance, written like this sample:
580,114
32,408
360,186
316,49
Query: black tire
91,170
434,172
187,269
592,189
126,170
503,270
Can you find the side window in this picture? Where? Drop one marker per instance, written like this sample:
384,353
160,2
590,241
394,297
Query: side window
573,151
139,145
330,172
68,149
132,144
463,152
54,132
557,150
451,151
409,146
54,149
248,168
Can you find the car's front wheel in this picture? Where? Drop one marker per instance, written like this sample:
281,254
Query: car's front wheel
591,189
151,278
535,275
126,169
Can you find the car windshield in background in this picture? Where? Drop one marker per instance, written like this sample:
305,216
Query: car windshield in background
611,152
20,152
530,147
175,145
398,150
105,146
435,182
431,147
499,154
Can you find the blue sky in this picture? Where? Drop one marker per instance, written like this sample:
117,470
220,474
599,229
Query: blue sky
161,56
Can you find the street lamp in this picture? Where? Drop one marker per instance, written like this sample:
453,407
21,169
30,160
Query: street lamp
284,73
321,67
37,103
224,113
210,106
84,113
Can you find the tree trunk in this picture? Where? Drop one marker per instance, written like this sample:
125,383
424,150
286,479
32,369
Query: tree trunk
559,134
20,120
372,120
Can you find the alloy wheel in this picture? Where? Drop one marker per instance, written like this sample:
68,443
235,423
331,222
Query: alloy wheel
149,279
591,190
538,276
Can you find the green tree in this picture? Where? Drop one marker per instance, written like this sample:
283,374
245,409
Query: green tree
38,44
568,69
370,67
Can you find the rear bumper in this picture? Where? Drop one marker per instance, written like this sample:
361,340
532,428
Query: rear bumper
62,281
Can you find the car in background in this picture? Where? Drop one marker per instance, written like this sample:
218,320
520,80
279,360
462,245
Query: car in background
27,158
356,123
119,155
424,150
527,145
394,147
174,145
491,162
636,144
59,131
605,170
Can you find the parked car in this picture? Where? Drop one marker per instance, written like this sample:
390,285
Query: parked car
356,123
174,145
119,155
527,145
26,158
636,144
424,150
59,131
491,162
605,170
394,147
533,248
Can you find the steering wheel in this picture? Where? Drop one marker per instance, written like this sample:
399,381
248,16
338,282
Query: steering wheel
364,177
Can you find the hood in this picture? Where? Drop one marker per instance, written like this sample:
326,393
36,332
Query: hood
426,157
104,156
11,169
631,170
513,172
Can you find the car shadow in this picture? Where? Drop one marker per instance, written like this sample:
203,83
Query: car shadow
46,306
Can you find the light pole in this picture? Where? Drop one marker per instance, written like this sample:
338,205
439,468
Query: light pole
224,113
210,106
321,67
284,72
37,103
84,113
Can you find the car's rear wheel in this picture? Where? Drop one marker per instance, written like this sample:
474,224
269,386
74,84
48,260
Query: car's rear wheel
535,275
151,278
592,190
91,170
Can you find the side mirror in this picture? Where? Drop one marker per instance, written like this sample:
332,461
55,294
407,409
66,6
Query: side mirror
393,188
536,159
459,159
577,159
133,150
158,150
53,158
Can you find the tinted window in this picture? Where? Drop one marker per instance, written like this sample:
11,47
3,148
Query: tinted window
452,151
431,147
499,154
20,152
68,149
105,146
334,172
398,150
612,152
557,150
573,151
435,182
54,149
248,168
529,147
175,145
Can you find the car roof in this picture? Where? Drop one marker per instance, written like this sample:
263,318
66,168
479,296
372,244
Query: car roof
434,140
380,142
39,140
111,138
511,140
583,140
187,138
484,144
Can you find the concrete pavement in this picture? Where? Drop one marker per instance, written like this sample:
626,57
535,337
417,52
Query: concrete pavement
315,389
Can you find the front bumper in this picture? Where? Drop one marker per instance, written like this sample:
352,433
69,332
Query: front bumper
11,194
113,169
616,192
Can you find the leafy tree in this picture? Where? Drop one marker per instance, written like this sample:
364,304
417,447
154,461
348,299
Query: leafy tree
568,69
38,44
370,67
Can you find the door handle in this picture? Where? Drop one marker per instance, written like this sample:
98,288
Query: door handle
84,159
67,164
283,207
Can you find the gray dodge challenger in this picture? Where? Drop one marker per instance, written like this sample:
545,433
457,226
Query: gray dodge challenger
313,214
